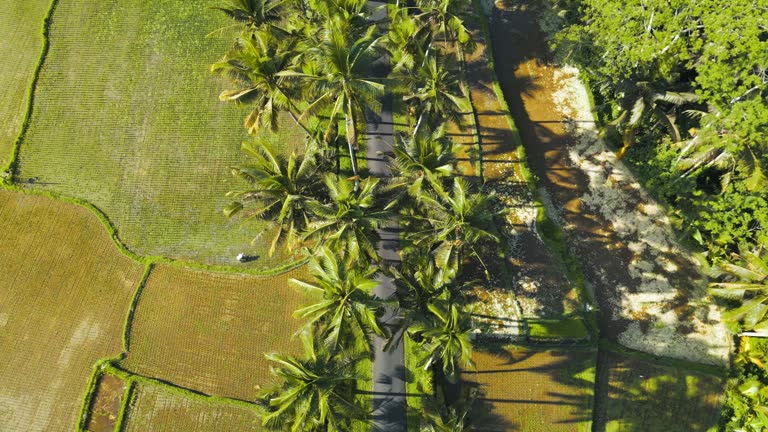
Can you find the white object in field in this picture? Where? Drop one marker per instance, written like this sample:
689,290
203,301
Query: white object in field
241,257
754,334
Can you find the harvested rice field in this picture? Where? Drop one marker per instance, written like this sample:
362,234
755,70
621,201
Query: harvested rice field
643,396
158,409
159,169
207,332
65,291
529,390
21,41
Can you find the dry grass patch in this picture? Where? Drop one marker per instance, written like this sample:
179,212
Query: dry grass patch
64,292
208,332
529,390
154,408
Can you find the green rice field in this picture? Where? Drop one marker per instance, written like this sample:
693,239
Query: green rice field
530,390
155,408
21,42
207,332
131,122
643,396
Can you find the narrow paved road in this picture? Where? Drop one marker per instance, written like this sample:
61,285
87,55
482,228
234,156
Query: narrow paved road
389,406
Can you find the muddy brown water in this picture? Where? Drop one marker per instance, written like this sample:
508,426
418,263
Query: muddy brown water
106,404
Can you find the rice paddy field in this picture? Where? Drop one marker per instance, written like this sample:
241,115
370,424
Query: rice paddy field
65,290
155,408
207,332
529,390
21,41
643,396
126,116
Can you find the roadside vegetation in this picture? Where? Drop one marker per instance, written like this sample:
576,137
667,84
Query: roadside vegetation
322,203
685,104
681,92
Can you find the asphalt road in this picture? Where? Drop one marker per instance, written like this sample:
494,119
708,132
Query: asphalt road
389,405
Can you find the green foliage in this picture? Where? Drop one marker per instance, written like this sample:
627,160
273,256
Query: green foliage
280,190
696,70
348,223
446,338
134,302
345,313
422,162
128,395
745,279
557,329
746,399
316,393
434,92
450,226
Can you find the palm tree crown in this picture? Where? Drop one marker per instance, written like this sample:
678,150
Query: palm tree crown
447,338
349,223
745,280
422,162
454,224
347,309
339,81
281,190
316,393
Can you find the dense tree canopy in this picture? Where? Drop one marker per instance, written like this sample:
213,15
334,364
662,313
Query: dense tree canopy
697,72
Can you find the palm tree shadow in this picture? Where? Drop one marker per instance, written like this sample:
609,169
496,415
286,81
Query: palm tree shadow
547,387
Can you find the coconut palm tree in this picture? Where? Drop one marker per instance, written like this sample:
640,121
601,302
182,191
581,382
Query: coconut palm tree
346,309
419,282
339,79
710,148
421,163
745,279
439,417
446,339
279,190
316,393
349,222
254,14
435,92
445,20
453,225
406,42
254,65
643,100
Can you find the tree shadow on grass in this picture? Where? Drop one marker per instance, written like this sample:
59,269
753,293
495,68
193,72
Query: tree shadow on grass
635,395
524,387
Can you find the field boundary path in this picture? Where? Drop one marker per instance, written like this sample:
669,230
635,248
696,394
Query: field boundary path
389,405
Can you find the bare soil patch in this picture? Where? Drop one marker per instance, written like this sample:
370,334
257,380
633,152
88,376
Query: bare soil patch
105,407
